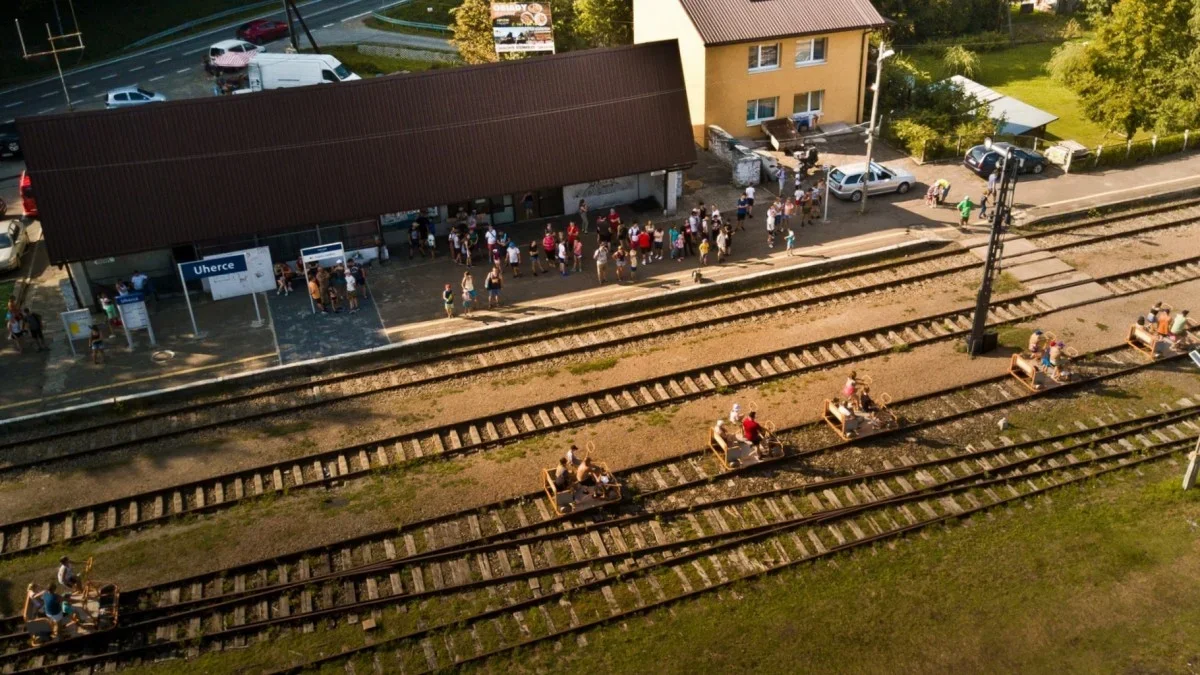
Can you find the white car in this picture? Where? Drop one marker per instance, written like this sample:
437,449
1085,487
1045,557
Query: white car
846,182
13,242
236,46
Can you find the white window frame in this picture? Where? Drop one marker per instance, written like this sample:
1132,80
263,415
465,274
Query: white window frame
759,120
812,46
757,51
818,110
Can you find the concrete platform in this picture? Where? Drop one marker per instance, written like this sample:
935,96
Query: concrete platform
1058,280
1012,247
1039,269
1074,295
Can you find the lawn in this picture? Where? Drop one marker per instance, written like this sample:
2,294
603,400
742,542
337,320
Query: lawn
422,11
1101,578
107,26
367,65
1020,72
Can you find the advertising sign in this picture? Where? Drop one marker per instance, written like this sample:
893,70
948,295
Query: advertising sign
78,324
522,27
212,267
333,253
257,277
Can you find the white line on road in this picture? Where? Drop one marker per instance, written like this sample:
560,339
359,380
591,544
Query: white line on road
100,95
9,121
327,25
1113,192
195,51
136,68
43,112
49,94
157,78
182,70
13,104
81,84
162,60
356,16
109,76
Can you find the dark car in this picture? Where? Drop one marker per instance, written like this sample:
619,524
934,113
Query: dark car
982,160
261,31
10,140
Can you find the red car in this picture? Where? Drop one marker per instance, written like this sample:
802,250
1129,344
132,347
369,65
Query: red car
261,31
28,205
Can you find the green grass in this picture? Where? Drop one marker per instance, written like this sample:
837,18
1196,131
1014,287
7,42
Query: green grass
366,65
1020,72
1101,578
418,10
593,366
6,291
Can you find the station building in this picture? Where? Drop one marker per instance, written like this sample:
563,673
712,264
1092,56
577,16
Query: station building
145,188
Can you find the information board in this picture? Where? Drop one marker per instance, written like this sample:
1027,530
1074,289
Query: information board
256,277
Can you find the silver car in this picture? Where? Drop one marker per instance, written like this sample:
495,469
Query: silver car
13,242
123,97
846,182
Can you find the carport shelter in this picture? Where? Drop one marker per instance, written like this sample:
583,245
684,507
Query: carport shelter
1017,117
150,186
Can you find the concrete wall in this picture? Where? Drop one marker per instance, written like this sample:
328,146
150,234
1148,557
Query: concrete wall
745,163
601,194
730,84
655,20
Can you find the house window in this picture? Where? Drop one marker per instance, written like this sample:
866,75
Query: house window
764,57
809,101
810,51
760,110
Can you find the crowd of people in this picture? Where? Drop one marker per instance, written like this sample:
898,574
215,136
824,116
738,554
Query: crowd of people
59,602
1164,326
23,323
333,289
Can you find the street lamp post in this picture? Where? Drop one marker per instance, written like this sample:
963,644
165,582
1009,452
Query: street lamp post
884,53
980,340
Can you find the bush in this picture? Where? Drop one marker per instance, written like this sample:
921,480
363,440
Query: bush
961,61
914,137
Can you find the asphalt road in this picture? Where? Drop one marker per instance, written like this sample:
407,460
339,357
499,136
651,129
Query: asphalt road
176,68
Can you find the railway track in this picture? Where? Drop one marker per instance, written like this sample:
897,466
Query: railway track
25,452
324,468
548,561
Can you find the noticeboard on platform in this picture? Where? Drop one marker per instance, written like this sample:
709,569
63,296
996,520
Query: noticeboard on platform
522,27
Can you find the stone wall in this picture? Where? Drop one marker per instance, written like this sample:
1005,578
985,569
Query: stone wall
747,166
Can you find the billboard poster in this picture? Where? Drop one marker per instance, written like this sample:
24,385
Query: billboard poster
255,274
522,27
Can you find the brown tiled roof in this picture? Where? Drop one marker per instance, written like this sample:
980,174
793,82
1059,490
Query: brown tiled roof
121,181
727,21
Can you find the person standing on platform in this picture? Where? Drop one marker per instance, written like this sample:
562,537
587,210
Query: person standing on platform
448,301
601,258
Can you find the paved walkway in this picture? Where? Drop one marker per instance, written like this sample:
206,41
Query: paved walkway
405,304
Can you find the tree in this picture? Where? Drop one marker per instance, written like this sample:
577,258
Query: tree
1138,72
473,31
604,23
961,61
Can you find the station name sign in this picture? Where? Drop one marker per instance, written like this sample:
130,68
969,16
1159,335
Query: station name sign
213,267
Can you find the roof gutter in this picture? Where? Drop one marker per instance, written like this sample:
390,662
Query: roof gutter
843,29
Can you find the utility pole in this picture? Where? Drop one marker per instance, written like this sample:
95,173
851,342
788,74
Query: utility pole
980,341
884,53
70,42
287,12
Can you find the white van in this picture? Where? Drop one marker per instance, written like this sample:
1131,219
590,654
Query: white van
279,71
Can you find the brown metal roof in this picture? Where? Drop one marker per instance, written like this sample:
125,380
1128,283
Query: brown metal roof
726,21
121,181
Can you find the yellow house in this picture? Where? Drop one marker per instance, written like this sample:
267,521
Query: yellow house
749,61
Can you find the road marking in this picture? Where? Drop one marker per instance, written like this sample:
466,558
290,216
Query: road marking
162,60
327,25
109,76
195,51
182,70
49,94
155,79
43,112
100,95
14,104
136,68
9,121
356,16
81,84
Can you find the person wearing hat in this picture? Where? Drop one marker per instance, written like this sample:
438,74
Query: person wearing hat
964,210
1035,343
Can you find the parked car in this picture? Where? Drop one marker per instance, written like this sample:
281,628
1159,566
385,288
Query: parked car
262,30
223,46
29,207
13,242
10,140
981,160
846,182
124,97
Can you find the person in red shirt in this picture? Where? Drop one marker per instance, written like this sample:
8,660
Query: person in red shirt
751,429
